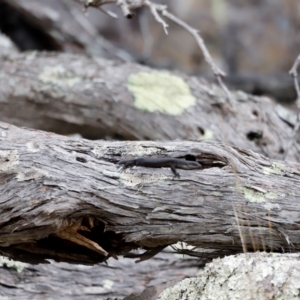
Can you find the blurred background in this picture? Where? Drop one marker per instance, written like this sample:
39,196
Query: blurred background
255,42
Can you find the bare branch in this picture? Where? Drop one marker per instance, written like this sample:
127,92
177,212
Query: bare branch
219,74
195,33
153,9
125,8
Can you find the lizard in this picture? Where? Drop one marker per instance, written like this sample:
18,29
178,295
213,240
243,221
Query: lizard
159,162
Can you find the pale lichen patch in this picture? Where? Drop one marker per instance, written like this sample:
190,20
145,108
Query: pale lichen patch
9,159
108,284
216,194
58,75
186,287
32,174
99,151
33,147
160,91
132,179
253,196
9,263
244,276
273,195
241,96
139,151
208,135
3,134
276,168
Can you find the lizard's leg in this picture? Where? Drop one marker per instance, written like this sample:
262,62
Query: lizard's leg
125,164
176,174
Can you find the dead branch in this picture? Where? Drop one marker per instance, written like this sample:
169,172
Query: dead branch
98,98
64,199
117,278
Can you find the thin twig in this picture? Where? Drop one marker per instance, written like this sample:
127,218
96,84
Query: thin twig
219,74
125,8
156,16
109,13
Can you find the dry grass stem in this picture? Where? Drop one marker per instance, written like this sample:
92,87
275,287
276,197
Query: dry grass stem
294,73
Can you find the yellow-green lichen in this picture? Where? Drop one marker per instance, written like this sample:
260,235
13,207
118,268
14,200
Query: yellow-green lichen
58,75
160,91
253,196
276,168
272,195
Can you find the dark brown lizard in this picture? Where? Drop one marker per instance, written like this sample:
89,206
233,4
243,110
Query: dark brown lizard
155,162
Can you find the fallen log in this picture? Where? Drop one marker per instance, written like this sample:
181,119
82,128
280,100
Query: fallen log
97,98
64,199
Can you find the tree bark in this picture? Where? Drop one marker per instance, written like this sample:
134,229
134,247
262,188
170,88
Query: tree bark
104,99
64,199
119,278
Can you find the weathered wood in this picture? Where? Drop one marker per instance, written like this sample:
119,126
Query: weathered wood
64,199
280,86
62,26
99,98
117,279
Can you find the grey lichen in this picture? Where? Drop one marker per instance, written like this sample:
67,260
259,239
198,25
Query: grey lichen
247,276
185,289
58,75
